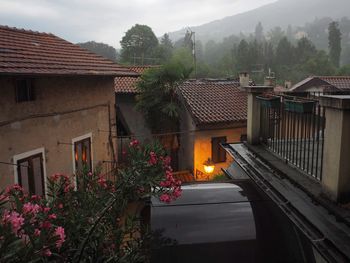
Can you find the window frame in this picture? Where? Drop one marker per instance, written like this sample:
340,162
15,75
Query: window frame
29,155
219,139
78,139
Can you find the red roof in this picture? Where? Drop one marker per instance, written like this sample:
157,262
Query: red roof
215,101
328,83
34,53
127,84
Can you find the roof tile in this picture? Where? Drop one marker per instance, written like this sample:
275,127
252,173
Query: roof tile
28,52
212,102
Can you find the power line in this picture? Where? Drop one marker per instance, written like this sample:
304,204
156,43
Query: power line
15,164
152,134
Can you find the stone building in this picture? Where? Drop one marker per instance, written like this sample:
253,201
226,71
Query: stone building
57,108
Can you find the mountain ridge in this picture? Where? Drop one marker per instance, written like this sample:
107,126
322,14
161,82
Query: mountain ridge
280,13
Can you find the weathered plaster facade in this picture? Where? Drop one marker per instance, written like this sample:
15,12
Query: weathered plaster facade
65,108
196,145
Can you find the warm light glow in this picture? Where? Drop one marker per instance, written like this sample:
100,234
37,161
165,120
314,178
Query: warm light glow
208,166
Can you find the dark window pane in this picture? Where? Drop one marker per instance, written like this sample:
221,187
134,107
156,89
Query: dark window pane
38,176
23,175
30,174
24,90
218,154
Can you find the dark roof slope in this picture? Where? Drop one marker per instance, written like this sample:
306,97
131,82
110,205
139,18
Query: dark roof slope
127,84
214,101
329,83
27,52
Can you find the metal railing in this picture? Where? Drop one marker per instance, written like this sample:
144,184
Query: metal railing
293,128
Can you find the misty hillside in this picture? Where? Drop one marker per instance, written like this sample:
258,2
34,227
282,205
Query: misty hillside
281,13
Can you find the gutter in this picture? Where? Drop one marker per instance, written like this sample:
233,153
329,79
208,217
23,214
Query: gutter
329,237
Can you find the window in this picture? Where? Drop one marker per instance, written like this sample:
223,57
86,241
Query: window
30,172
218,154
82,154
24,90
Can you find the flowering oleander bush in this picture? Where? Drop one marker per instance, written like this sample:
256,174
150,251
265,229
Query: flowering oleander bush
83,219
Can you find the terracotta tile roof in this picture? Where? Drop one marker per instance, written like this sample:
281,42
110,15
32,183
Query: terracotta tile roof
340,82
329,83
127,84
214,102
34,53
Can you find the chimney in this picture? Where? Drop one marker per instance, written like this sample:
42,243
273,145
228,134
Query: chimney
243,79
269,81
287,84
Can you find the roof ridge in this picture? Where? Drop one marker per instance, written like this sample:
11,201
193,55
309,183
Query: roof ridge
22,30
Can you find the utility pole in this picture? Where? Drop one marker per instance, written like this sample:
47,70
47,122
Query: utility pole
193,34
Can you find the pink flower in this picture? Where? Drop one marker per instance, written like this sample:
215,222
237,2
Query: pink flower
102,182
165,183
15,187
60,206
165,198
46,209
29,208
153,158
37,232
52,216
47,252
45,225
167,161
177,192
59,231
134,143
15,219
90,174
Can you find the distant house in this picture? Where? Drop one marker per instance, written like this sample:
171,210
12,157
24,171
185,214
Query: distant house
322,84
129,121
214,112
56,108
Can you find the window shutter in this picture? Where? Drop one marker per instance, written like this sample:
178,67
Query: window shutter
218,154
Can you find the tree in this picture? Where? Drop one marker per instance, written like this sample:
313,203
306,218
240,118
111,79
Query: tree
163,52
100,49
305,50
334,43
242,54
284,52
259,32
138,45
157,98
275,35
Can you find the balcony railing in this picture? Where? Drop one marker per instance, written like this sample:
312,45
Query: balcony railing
293,128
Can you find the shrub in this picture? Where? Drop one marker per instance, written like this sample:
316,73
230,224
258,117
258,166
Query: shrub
86,221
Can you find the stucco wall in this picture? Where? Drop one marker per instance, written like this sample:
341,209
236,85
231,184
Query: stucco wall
55,95
186,141
133,118
202,147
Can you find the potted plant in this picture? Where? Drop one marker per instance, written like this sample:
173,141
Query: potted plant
269,101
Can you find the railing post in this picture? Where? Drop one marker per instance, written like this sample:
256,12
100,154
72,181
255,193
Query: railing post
253,112
336,162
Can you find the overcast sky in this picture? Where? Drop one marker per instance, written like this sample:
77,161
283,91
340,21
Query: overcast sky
107,20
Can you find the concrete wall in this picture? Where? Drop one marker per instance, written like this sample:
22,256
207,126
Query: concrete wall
186,141
202,147
133,118
82,96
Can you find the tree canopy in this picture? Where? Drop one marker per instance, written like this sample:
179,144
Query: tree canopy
334,43
138,45
157,98
100,49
